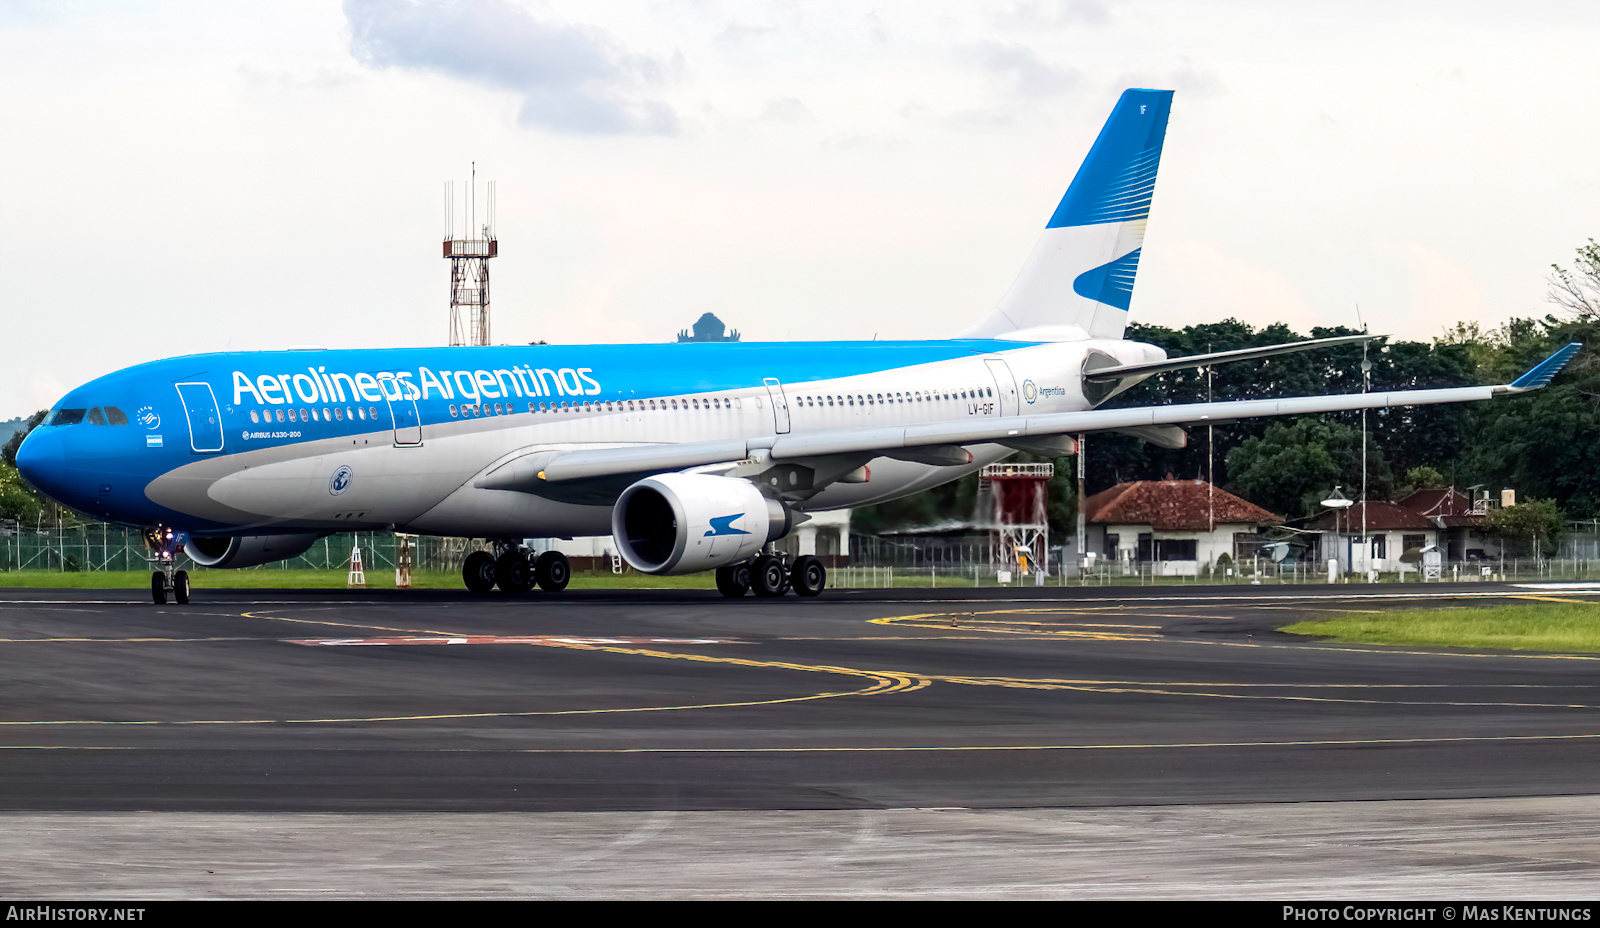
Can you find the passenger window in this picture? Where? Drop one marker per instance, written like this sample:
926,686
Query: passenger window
255,416
303,416
374,411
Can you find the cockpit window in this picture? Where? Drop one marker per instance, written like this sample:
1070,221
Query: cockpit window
115,416
68,417
96,416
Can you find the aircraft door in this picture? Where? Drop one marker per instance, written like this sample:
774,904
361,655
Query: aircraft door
1005,385
780,406
205,422
407,419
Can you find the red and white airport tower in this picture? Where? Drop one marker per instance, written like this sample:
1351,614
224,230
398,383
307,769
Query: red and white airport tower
1019,495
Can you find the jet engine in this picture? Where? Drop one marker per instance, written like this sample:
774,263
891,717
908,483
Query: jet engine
246,550
682,523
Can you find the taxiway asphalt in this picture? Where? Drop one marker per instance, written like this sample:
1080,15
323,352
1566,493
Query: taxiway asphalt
680,701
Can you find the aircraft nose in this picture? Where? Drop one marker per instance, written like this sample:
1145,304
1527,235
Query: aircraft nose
41,460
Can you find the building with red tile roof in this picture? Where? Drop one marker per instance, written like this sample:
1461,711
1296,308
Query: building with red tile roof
1445,517
1179,526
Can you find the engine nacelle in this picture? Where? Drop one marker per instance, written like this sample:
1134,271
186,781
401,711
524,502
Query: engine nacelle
247,550
682,523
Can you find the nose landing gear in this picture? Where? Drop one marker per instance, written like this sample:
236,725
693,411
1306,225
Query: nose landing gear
162,548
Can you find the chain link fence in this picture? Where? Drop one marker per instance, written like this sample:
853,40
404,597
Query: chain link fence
873,561
96,546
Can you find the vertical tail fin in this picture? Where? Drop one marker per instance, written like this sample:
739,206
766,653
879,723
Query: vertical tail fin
1078,282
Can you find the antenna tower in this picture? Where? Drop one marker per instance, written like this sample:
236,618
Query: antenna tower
469,256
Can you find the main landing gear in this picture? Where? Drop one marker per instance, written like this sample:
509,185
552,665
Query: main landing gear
768,576
515,569
163,549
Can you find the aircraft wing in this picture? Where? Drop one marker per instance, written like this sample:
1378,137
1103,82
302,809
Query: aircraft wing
942,441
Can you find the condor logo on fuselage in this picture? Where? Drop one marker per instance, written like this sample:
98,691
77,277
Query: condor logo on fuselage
723,525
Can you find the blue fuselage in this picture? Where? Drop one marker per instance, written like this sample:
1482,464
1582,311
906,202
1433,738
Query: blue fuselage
320,440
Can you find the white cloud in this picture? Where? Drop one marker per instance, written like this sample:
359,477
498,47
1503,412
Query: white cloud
572,78
1022,71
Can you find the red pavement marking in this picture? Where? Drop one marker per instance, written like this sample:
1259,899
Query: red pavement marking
495,639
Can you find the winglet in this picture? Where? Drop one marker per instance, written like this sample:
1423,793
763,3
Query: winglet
1542,372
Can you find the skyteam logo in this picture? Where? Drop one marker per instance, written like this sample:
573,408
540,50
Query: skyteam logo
147,417
340,481
723,525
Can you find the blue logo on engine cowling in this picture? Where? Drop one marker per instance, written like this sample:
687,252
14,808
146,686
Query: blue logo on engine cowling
340,481
723,525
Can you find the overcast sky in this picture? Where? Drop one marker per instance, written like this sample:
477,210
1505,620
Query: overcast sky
185,177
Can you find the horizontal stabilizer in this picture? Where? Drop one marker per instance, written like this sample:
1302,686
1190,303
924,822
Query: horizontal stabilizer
1219,357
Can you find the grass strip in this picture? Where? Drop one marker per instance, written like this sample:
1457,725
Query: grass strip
1573,626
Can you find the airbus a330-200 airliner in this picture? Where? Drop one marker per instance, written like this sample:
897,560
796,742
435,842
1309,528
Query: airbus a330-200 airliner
693,456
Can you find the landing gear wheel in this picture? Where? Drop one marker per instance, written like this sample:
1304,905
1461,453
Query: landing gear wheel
180,587
513,573
552,571
733,582
478,572
158,588
808,576
768,578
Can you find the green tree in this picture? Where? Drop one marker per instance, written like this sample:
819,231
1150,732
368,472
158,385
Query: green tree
1419,478
1534,525
1293,466
17,500
1409,437
1578,290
